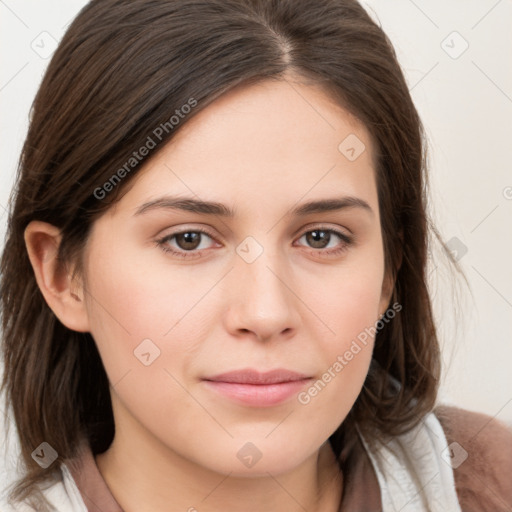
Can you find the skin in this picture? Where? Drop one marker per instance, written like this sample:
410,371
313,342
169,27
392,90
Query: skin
260,150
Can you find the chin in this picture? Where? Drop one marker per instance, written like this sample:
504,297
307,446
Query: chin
248,459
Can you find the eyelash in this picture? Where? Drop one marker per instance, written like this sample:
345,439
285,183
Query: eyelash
347,241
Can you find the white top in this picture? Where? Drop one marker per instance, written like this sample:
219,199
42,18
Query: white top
413,471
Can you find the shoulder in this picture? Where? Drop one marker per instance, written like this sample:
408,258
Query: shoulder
481,451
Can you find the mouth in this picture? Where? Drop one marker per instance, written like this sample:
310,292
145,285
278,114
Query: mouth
258,389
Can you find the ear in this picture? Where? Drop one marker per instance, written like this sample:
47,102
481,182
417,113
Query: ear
388,283
63,295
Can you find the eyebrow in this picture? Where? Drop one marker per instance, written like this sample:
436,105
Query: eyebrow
214,208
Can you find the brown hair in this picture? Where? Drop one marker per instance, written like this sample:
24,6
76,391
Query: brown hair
121,70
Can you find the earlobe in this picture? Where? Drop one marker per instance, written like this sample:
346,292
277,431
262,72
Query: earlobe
55,280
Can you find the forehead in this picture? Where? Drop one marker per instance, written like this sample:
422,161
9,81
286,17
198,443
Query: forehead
272,142
271,117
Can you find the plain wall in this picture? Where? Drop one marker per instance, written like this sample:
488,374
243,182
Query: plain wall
464,96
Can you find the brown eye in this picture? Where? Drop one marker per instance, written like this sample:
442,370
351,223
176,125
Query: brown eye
189,240
186,243
318,239
327,241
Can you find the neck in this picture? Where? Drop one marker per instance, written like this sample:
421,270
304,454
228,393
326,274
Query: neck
163,477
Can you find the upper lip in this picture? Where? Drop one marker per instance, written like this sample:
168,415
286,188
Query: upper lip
250,376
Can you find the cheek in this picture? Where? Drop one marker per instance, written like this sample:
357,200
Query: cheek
348,301
346,357
349,307
136,309
146,324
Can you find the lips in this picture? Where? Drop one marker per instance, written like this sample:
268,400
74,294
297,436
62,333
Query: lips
250,376
257,389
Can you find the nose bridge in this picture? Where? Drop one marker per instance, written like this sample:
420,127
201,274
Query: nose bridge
263,303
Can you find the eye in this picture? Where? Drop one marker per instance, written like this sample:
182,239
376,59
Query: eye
187,242
322,238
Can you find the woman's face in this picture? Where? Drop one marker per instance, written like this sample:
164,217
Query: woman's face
179,295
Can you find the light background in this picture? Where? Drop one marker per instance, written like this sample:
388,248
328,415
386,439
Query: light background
465,101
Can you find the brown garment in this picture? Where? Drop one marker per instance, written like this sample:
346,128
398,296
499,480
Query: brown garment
93,488
484,480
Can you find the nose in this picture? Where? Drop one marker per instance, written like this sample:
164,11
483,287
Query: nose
261,299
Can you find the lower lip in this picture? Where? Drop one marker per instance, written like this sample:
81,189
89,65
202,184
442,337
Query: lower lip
258,395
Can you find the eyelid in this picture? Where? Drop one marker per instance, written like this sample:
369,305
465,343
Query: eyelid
187,229
325,226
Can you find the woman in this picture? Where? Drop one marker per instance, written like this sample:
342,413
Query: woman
213,285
